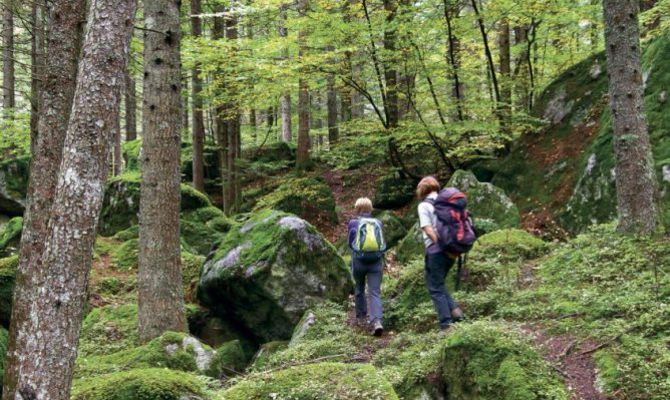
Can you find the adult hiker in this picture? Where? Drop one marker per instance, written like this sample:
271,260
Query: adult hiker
447,233
366,241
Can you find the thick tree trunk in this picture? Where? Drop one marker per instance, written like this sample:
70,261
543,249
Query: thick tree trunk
285,99
50,335
131,107
37,66
198,122
8,98
521,71
390,73
634,170
333,130
57,92
161,298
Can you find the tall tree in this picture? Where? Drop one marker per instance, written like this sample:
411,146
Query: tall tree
8,78
57,91
198,122
505,58
232,191
45,361
331,105
161,299
36,65
451,11
391,104
285,98
131,107
634,168
303,95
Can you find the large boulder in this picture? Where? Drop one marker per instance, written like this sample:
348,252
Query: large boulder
394,230
335,381
393,192
7,278
491,207
14,176
268,270
309,198
121,204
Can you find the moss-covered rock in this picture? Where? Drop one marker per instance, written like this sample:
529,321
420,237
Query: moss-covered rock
393,192
3,350
122,202
140,384
228,361
315,381
272,152
268,270
14,175
308,198
486,360
394,230
7,278
108,330
491,208
10,236
411,246
176,351
265,352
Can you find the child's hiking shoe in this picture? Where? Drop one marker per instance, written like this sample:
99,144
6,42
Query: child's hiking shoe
457,314
377,329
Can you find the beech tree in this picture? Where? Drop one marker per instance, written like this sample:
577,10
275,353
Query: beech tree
161,298
43,363
56,94
634,169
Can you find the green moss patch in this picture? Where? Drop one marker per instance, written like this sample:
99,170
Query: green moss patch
7,278
139,384
109,329
4,337
393,192
486,360
316,381
229,361
308,198
10,236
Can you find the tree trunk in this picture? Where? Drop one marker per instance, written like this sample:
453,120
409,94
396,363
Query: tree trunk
231,193
37,66
285,99
161,298
57,92
521,71
117,159
8,98
333,131
453,57
487,52
346,93
131,107
220,118
50,335
390,73
198,122
302,156
505,106
634,169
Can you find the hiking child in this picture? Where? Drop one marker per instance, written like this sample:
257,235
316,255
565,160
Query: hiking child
367,245
437,261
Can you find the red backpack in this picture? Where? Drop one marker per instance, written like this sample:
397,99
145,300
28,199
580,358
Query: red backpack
454,224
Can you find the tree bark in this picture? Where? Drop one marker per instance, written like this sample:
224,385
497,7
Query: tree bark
453,57
636,183
231,193
505,99
285,99
390,73
131,107
46,359
161,298
333,130
8,81
220,118
302,156
37,66
198,122
57,91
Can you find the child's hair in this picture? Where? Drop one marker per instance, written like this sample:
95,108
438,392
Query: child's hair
363,205
427,186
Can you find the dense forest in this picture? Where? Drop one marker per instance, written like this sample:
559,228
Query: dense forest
194,196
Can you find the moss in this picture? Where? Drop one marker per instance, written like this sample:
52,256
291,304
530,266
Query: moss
7,278
109,329
200,237
411,246
316,381
308,198
608,375
139,384
10,235
268,270
131,154
229,361
125,255
486,360
190,271
14,176
263,355
393,192
273,152
129,233
394,230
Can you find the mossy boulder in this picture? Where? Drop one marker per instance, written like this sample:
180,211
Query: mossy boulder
229,361
491,208
272,152
7,278
315,381
173,350
268,270
393,192
108,330
121,204
140,384
265,352
308,198
14,175
10,236
411,246
486,360
394,230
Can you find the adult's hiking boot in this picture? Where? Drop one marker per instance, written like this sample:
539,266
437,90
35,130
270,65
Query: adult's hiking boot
457,314
377,329
444,330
